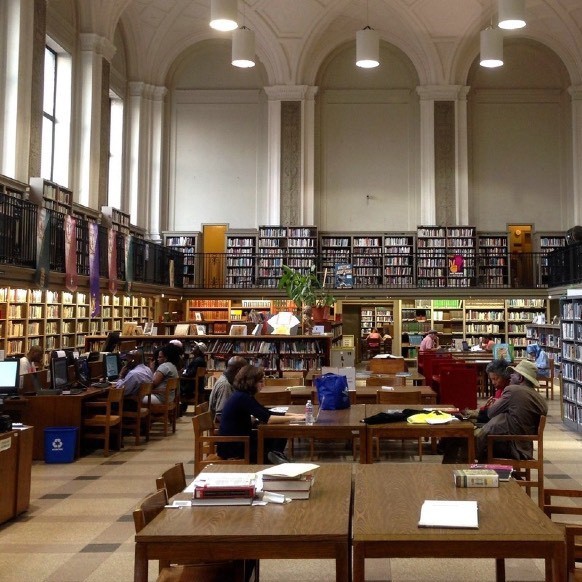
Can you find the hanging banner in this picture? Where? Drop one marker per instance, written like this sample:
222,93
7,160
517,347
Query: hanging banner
112,255
128,262
41,277
72,278
171,272
94,289
456,265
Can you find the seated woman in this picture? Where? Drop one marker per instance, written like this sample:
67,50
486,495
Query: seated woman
168,363
499,377
236,418
540,358
487,343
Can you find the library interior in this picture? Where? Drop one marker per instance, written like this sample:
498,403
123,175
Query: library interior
371,201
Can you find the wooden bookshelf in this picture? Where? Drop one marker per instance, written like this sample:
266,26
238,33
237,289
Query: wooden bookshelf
367,260
116,219
301,248
51,195
335,249
431,267
448,319
399,265
482,317
187,244
520,314
571,343
493,265
547,336
461,253
545,243
272,245
241,251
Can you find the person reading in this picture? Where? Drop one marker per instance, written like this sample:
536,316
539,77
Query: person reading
31,362
430,342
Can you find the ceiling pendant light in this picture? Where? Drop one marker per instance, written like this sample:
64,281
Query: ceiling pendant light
243,48
511,14
491,48
367,48
223,14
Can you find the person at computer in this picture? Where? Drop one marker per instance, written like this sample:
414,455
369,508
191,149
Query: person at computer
237,419
487,343
31,362
168,362
430,341
187,382
133,374
540,358
223,388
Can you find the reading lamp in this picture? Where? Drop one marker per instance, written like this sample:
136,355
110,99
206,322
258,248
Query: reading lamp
511,14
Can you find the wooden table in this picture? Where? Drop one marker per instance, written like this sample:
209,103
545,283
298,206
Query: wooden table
331,425
311,529
413,377
52,410
387,502
404,430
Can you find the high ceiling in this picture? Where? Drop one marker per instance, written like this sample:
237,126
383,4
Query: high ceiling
294,37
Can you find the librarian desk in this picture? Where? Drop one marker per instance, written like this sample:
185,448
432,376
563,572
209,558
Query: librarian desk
330,425
52,410
387,502
404,430
313,529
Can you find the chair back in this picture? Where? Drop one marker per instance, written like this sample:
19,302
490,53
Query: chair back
134,416
395,397
275,397
281,382
149,508
166,411
523,468
386,380
428,364
200,408
298,375
205,443
547,382
114,403
173,480
458,386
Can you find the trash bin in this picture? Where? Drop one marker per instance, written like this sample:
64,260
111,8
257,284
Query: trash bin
60,443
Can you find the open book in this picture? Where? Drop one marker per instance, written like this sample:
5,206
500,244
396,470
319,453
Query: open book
440,513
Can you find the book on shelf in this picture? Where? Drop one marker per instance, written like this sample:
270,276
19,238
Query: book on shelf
476,478
449,514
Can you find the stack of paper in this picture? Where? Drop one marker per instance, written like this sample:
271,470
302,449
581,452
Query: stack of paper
293,480
439,513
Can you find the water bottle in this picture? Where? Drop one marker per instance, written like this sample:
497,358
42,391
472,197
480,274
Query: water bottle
309,412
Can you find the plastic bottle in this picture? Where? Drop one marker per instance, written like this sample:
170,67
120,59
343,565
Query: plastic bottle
308,412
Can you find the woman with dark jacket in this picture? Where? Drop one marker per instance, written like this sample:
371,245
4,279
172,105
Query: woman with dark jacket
237,418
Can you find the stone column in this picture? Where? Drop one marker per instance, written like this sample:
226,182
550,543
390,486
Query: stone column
94,79
575,204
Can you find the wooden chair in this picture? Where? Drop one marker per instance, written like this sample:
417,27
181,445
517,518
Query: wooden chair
173,480
390,397
458,385
166,412
277,398
200,408
104,418
571,529
95,370
297,375
137,414
281,382
193,400
523,468
145,512
205,442
548,383
386,380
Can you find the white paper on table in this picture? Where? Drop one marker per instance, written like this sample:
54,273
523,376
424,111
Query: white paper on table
440,513
289,469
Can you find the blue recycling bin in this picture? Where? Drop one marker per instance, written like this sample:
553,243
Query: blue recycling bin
60,443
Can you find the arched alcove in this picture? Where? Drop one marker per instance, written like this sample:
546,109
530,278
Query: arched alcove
367,135
519,137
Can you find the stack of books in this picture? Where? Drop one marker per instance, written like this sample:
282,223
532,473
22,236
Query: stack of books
292,480
476,478
224,489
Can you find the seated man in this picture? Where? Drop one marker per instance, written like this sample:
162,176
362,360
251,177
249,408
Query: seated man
223,388
188,385
133,374
540,358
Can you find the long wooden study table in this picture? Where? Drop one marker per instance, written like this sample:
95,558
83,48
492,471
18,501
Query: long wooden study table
52,410
378,517
347,424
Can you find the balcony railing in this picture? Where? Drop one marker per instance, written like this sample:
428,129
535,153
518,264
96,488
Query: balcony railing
565,266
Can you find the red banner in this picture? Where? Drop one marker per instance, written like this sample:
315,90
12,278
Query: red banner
112,254
72,278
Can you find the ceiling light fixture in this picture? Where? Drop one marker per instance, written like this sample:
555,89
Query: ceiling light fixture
491,48
223,14
367,45
243,48
511,14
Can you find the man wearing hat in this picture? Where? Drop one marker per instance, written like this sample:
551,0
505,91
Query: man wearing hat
187,385
430,341
516,412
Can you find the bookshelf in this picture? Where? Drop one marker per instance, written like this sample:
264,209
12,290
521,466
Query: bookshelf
415,321
571,339
14,188
546,242
335,249
301,248
187,244
520,314
484,316
272,244
493,266
241,250
367,260
547,335
116,219
399,268
431,267
51,196
214,314
366,320
448,319
461,254
276,354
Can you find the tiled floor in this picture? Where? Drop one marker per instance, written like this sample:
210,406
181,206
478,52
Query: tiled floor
79,526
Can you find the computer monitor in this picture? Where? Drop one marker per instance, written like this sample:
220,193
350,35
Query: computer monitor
82,371
111,367
34,382
59,373
111,342
9,378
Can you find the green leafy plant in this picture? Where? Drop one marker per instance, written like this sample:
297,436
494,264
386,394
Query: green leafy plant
304,288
